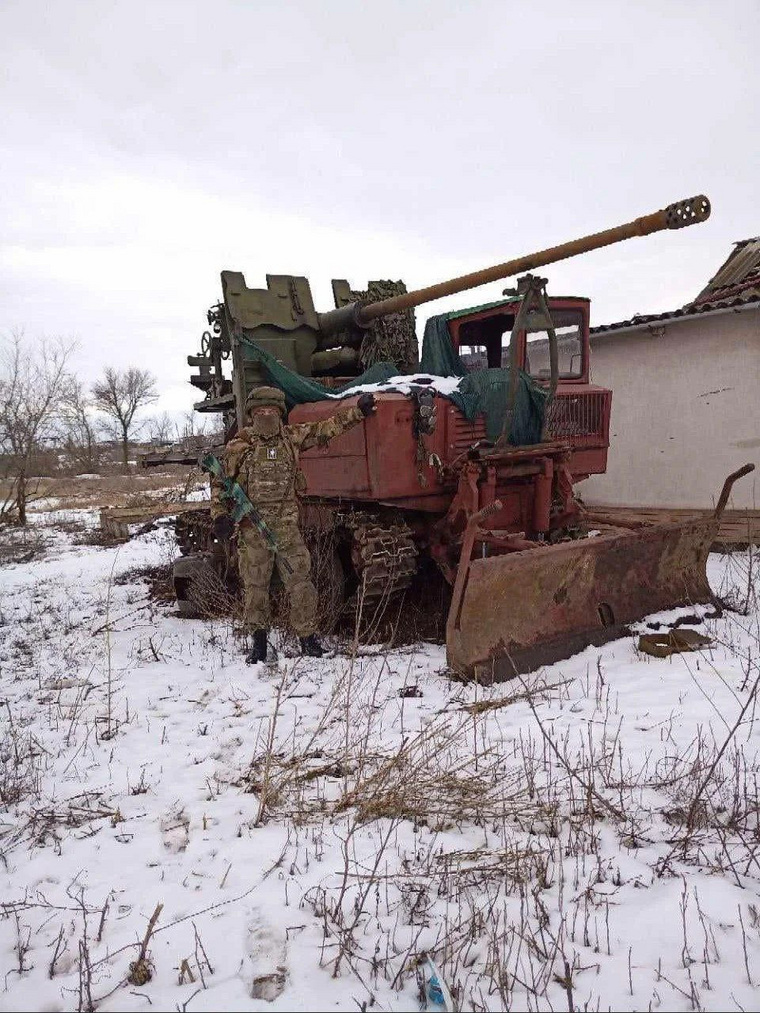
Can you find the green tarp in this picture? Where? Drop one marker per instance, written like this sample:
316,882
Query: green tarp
485,392
302,389
482,392
439,357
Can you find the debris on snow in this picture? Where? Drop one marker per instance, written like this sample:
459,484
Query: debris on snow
587,837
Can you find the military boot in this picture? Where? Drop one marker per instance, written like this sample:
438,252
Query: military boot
259,652
311,647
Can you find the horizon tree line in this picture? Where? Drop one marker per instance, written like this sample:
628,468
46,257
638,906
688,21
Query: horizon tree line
45,406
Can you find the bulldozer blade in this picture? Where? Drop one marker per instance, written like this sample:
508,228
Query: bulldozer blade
513,613
521,610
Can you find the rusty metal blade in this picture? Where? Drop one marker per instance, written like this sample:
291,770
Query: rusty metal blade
515,612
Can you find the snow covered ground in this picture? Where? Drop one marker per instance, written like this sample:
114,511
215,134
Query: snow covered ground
298,834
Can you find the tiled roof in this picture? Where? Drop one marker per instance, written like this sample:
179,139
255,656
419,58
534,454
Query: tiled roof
736,284
691,310
739,277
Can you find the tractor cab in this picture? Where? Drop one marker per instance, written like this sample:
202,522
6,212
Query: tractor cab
482,338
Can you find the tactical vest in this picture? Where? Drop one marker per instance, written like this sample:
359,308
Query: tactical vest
269,471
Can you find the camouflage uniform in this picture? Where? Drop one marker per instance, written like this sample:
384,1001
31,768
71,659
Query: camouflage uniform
267,469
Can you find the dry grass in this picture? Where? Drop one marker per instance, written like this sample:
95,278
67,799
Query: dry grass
525,919
138,488
529,914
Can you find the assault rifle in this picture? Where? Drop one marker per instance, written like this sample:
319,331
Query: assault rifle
242,506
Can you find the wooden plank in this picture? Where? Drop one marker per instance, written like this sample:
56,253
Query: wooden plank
737,527
115,521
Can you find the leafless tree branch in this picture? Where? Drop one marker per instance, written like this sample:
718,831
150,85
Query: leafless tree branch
119,395
33,382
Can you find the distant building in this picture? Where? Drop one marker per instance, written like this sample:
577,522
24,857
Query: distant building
686,395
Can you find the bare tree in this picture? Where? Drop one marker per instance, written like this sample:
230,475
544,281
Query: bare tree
120,395
33,382
189,426
79,426
192,426
161,428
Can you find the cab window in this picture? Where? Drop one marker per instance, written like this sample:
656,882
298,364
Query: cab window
484,344
568,325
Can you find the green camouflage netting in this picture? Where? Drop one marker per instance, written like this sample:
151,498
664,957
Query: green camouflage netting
391,338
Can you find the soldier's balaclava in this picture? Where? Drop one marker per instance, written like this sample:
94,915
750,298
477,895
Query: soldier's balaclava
265,423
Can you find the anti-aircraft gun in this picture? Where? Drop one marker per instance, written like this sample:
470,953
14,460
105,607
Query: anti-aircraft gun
366,327
476,476
332,347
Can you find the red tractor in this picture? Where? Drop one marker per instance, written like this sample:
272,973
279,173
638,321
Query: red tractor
470,460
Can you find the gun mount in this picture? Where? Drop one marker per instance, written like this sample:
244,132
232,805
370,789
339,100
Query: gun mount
366,326
442,484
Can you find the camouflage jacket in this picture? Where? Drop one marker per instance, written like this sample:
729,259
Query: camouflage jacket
266,467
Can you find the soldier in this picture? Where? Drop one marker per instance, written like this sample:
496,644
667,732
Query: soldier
263,459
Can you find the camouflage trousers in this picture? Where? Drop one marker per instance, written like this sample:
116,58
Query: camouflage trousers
256,562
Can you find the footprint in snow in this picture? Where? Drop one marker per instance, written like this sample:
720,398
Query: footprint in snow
267,958
175,830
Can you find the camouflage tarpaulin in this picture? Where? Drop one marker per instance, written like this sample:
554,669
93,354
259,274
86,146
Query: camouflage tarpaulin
302,389
484,391
439,356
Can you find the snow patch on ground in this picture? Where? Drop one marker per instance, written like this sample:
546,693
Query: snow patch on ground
43,504
584,836
199,494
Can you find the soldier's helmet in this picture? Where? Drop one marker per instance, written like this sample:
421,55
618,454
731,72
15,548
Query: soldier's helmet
265,397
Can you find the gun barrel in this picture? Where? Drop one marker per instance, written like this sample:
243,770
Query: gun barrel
674,216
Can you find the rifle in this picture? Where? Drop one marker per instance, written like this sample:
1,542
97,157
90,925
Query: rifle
242,505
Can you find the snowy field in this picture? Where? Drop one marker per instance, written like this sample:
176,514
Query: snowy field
179,831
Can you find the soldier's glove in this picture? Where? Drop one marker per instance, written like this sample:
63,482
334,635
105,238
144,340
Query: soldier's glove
223,528
366,404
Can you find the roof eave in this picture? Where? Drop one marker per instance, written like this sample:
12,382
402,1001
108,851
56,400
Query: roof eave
673,317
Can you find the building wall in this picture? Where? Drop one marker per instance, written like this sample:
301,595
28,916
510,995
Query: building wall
685,412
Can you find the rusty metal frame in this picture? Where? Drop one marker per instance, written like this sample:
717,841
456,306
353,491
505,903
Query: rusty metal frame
513,612
532,293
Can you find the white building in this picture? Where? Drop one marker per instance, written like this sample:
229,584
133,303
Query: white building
686,395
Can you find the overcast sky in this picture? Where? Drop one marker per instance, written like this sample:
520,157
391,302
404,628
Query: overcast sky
146,146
